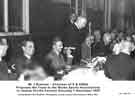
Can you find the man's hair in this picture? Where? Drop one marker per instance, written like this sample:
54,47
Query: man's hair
55,40
25,42
107,34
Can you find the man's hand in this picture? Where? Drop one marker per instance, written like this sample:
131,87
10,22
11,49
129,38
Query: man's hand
60,72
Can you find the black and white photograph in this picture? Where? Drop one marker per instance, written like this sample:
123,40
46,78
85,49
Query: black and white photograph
67,47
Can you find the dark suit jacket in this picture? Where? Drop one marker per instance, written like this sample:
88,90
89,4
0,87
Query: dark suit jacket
99,49
132,54
85,51
74,37
120,67
22,63
55,62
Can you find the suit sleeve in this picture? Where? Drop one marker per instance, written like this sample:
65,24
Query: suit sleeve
49,66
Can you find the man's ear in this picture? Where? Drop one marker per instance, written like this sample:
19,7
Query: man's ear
53,46
23,48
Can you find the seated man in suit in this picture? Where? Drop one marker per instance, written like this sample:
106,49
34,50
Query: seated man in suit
3,64
27,66
121,66
55,61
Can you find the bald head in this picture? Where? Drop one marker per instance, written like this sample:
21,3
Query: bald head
81,22
126,47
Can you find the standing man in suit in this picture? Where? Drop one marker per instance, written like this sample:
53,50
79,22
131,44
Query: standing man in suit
74,36
55,60
121,66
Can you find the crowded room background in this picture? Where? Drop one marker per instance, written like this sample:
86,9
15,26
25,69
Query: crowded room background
64,39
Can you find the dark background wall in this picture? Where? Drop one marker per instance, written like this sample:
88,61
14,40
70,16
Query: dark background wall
1,16
46,17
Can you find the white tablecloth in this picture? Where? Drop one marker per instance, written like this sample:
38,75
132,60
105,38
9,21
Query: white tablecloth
85,74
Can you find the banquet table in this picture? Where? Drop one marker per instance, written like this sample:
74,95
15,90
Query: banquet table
84,73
